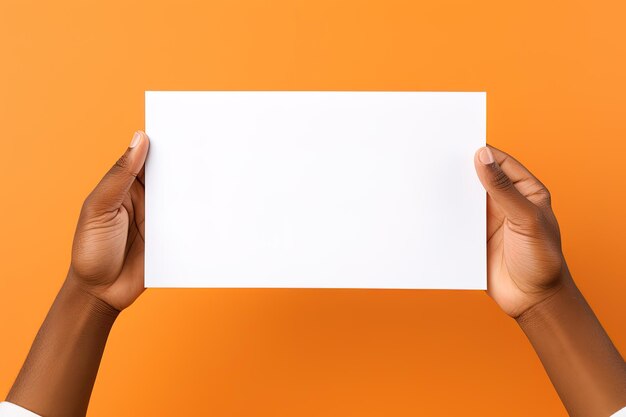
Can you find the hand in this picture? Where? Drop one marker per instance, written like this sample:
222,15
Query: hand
108,249
525,264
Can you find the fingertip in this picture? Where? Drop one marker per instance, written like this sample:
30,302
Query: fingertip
135,156
138,148
485,156
481,168
135,140
138,137
144,136
484,160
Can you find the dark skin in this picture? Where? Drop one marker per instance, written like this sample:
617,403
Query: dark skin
527,277
105,277
108,249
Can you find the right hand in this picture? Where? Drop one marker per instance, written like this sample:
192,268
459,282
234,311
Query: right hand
108,249
525,264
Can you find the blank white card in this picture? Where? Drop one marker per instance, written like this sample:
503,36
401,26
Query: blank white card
314,189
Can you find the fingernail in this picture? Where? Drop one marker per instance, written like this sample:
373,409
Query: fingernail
485,156
135,141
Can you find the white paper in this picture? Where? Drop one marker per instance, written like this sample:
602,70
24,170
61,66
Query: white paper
314,189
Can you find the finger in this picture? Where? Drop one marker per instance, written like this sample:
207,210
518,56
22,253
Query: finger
526,183
142,176
500,186
137,196
112,189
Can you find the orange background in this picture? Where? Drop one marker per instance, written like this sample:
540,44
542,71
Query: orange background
72,78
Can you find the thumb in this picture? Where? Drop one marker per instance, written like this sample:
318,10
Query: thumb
111,190
500,187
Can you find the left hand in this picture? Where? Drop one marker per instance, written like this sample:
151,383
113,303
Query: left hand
525,264
108,249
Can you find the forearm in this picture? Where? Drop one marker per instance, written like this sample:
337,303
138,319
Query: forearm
58,375
584,366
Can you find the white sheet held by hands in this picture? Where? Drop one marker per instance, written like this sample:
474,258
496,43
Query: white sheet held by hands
314,189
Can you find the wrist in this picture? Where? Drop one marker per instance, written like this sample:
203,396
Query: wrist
73,293
578,356
562,299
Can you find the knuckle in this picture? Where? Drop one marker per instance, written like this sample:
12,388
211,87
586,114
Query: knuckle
501,181
122,162
94,203
541,196
123,165
87,207
90,210
545,196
